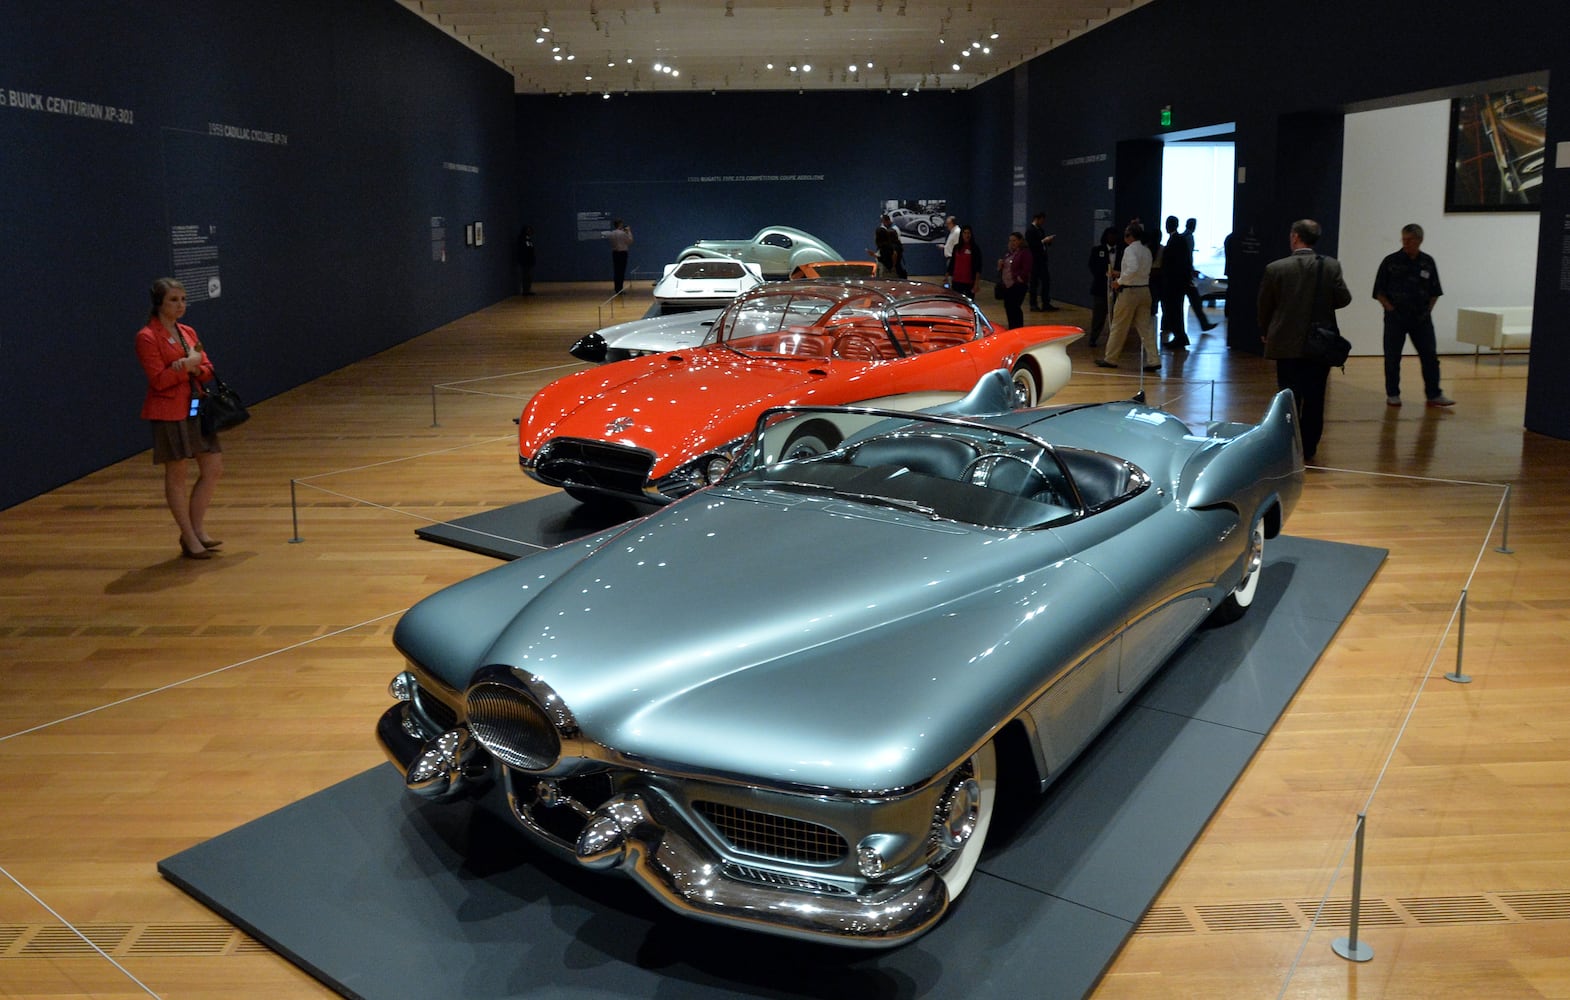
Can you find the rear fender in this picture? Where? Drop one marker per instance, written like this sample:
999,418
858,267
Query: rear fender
1051,363
1248,468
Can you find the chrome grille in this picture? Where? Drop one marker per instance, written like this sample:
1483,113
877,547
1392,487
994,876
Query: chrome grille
771,836
512,726
576,461
762,876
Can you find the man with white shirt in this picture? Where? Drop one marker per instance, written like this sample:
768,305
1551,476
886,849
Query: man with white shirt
1131,285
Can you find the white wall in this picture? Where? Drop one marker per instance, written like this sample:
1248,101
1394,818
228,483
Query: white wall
1393,172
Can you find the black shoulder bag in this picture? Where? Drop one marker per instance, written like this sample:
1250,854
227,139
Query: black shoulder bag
1325,343
219,407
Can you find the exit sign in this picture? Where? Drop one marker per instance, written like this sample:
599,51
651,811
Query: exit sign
1166,116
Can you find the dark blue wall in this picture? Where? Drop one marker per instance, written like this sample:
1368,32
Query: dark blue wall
684,167
326,243
376,123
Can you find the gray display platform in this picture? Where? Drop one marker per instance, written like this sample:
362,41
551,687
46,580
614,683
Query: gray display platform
380,896
518,529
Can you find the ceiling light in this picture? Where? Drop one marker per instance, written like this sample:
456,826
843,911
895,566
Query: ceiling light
806,67
768,65
659,68
675,72
956,69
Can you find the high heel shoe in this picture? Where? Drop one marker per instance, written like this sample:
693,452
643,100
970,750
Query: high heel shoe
211,543
198,554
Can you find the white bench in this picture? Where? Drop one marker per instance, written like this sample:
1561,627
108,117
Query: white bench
1498,328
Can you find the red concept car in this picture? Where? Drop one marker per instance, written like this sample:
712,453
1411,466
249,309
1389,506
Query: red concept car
658,427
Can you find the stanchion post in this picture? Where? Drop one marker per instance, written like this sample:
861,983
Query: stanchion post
1504,537
294,515
1349,947
1456,675
433,407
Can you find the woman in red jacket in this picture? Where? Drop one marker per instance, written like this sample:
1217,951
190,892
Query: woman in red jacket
173,359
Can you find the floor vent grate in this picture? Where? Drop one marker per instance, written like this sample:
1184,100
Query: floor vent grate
1299,915
1248,917
1538,905
1453,910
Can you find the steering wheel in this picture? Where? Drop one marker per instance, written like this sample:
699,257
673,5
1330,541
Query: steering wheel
984,470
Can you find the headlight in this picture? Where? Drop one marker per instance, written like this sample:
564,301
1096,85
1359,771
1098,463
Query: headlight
714,468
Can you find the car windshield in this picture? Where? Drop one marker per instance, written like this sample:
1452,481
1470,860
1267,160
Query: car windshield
848,321
808,321
941,468
710,269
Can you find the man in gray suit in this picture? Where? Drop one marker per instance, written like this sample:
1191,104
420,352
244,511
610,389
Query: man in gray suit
1295,291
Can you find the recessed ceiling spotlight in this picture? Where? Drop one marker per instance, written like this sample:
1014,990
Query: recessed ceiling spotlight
792,68
956,69
806,67
675,72
659,68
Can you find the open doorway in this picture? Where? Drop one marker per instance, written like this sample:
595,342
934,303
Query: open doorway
1198,168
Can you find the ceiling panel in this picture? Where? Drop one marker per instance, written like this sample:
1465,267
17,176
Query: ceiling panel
594,47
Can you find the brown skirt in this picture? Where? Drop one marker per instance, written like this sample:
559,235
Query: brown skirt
175,440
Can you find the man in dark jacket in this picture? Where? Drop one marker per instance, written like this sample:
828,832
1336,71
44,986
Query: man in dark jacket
1295,291
1408,286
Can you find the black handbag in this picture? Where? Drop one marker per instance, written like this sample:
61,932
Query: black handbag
997,290
1325,343
221,407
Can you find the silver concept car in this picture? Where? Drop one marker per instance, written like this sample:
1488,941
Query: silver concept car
784,701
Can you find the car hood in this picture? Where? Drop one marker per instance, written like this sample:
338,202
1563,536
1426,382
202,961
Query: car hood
649,402
672,332
852,647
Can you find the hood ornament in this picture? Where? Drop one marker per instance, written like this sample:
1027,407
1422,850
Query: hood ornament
618,425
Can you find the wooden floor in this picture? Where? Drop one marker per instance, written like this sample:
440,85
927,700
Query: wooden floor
148,702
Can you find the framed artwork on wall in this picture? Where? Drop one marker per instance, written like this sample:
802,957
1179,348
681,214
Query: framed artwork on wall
1497,151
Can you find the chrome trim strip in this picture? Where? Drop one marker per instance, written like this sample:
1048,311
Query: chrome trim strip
627,833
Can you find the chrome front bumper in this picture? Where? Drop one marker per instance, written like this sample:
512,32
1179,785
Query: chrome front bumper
643,837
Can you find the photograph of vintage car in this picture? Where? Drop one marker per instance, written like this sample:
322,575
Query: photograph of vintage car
704,284
917,226
820,666
776,249
657,427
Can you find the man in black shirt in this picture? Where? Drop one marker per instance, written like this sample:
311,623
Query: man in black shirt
1407,286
